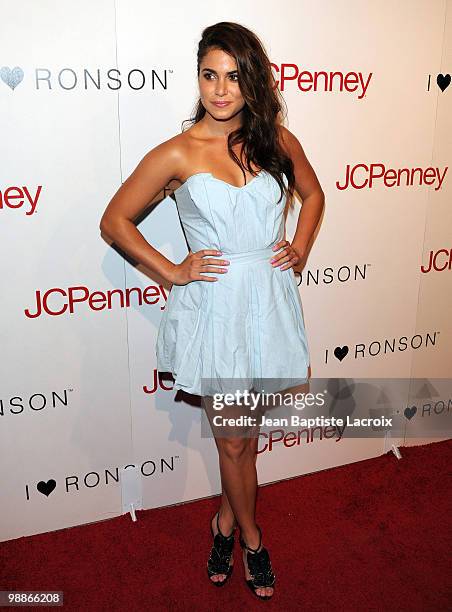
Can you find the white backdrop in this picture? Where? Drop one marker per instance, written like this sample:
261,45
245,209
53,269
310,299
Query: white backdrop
86,90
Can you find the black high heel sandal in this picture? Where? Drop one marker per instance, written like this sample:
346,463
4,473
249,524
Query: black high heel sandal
259,567
220,555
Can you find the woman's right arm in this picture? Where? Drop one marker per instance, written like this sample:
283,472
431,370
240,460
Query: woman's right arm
153,173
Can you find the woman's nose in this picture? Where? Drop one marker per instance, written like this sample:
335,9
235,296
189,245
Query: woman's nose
221,87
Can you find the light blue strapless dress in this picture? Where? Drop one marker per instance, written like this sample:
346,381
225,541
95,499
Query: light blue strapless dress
247,328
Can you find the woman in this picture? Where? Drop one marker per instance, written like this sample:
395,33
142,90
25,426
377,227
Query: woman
234,165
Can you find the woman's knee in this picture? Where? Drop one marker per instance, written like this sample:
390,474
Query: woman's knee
234,448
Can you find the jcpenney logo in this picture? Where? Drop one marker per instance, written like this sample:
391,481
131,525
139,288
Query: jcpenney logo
275,438
157,384
20,197
305,80
57,301
84,78
438,261
364,176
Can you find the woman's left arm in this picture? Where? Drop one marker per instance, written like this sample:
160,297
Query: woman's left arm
308,187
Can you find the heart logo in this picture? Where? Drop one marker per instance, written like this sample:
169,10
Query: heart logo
340,352
410,412
12,77
443,81
46,487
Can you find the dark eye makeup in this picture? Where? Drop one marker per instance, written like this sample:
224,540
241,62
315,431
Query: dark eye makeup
234,77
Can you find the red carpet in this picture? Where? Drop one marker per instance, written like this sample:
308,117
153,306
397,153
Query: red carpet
373,535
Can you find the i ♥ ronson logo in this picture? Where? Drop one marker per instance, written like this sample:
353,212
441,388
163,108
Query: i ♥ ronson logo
76,483
49,79
381,347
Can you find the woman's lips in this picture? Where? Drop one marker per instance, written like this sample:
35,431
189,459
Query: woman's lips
221,104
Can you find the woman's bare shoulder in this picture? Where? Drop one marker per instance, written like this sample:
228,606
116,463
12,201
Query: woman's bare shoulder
175,151
159,166
287,140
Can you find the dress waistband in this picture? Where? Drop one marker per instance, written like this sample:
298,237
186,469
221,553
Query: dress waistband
255,255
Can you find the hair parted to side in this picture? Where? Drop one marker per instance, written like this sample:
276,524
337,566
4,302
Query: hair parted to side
264,104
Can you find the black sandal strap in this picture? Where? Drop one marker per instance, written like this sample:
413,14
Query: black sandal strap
259,564
243,544
260,569
221,552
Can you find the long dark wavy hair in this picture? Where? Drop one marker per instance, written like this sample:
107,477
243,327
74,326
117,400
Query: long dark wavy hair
264,105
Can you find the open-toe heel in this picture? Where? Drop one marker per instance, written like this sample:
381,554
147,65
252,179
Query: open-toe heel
259,568
220,555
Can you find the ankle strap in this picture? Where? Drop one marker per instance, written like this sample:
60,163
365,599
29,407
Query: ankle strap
254,550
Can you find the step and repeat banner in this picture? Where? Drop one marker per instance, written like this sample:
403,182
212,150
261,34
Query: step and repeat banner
88,431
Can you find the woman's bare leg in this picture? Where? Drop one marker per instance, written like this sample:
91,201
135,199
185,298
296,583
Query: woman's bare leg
237,461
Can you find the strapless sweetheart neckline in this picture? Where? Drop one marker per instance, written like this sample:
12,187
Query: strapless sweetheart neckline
210,175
